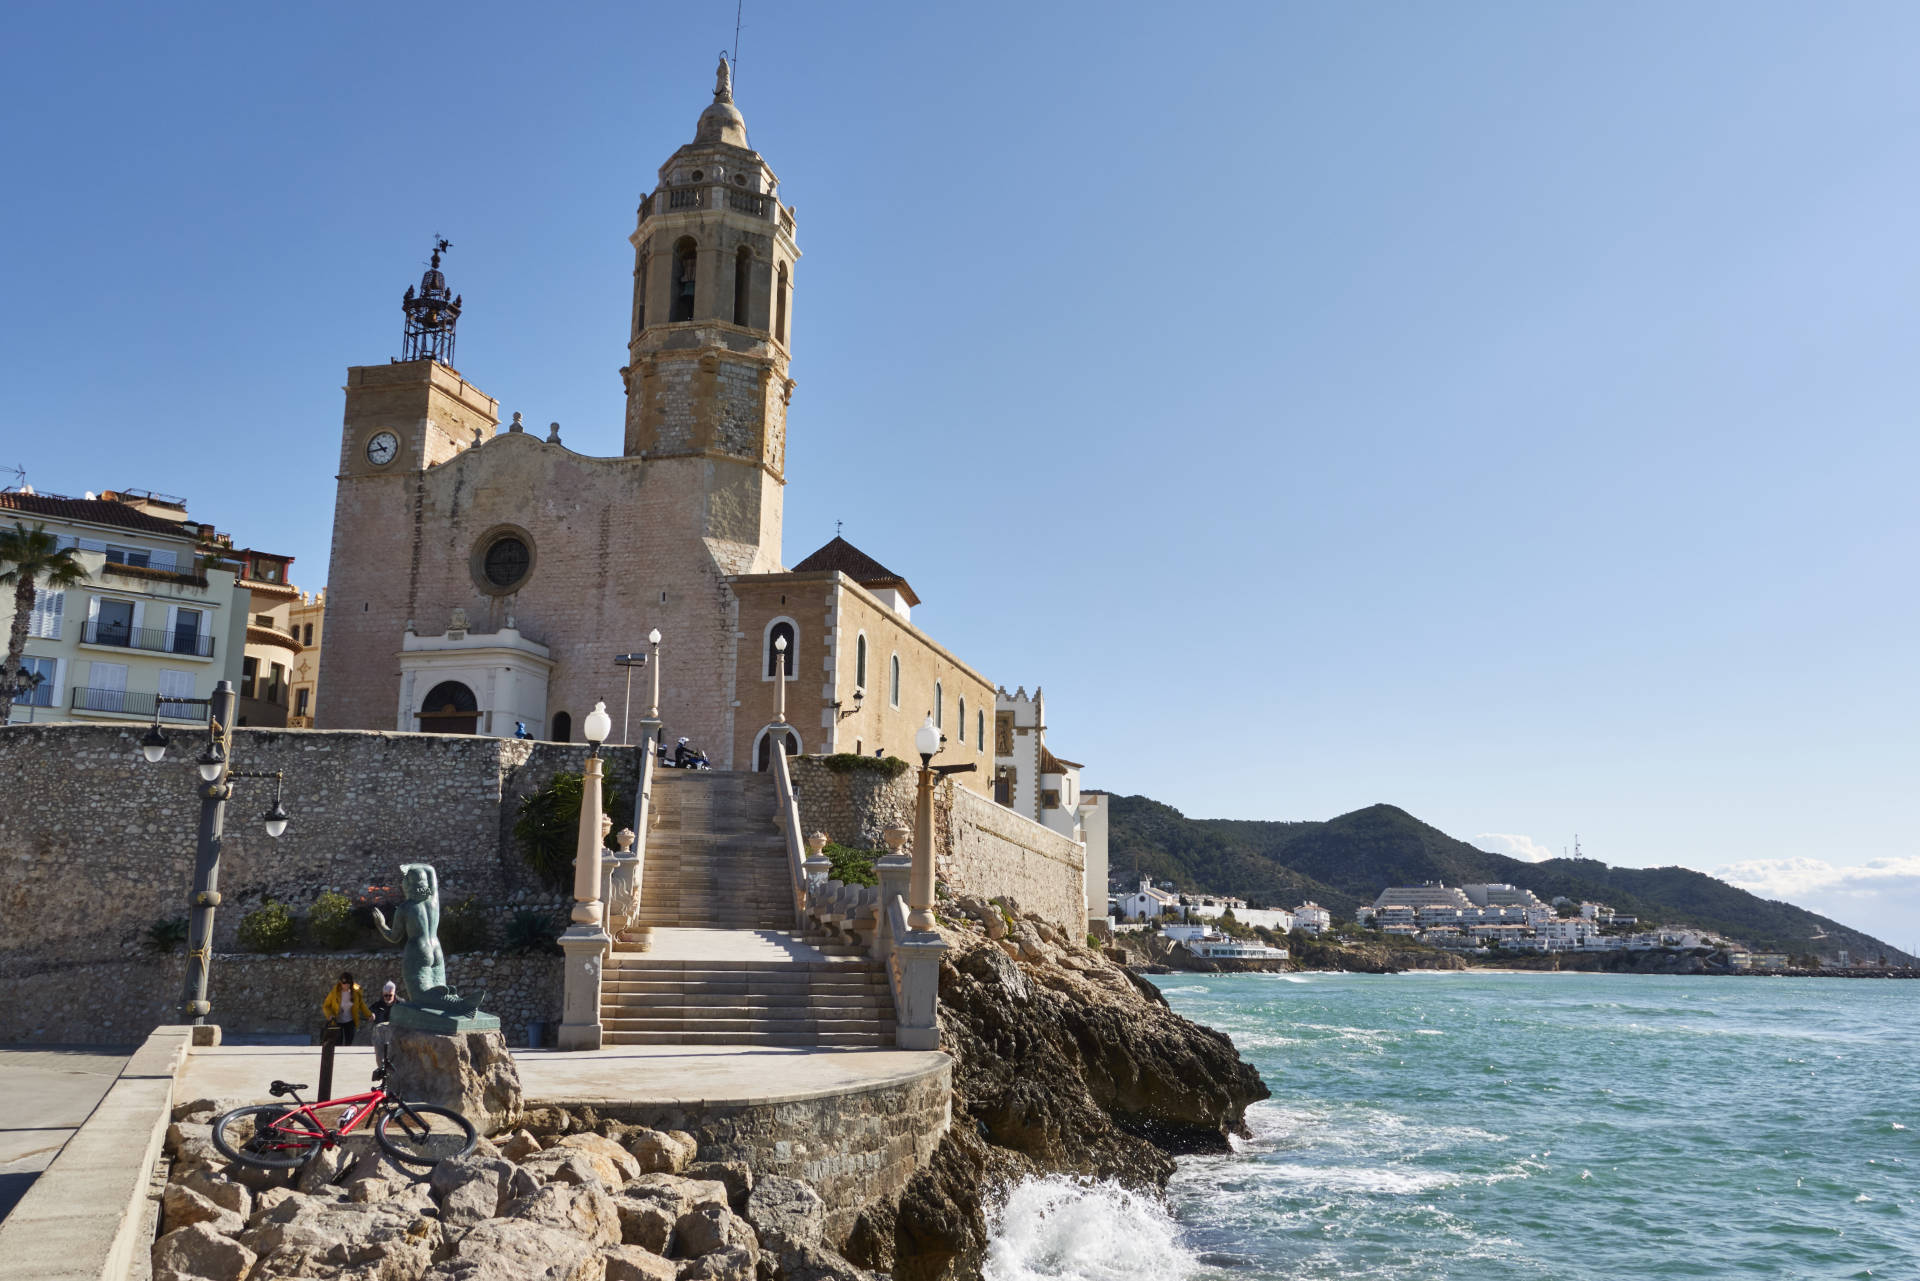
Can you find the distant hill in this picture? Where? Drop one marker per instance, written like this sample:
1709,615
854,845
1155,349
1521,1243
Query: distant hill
1344,862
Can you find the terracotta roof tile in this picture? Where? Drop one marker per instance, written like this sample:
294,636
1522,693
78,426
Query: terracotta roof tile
855,564
92,510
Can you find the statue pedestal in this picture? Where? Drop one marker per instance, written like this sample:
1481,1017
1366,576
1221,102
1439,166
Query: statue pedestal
470,1072
586,948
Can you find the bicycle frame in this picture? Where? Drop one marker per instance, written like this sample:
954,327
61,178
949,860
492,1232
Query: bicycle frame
357,1108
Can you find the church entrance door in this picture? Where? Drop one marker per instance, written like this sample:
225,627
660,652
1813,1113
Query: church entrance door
450,708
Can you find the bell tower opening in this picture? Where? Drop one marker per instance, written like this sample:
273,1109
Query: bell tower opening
686,279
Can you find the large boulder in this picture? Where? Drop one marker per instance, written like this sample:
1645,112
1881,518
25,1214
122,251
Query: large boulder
470,1072
180,1206
663,1151
198,1252
586,1212
521,1250
779,1207
625,1165
470,1189
631,1263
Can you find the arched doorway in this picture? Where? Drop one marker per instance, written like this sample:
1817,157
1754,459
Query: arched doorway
450,708
763,750
562,727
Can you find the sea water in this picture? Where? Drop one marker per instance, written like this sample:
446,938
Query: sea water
1449,1126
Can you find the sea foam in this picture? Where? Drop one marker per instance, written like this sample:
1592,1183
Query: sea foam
1063,1229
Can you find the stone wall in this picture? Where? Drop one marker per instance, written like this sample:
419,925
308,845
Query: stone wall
979,847
96,844
122,1000
855,1146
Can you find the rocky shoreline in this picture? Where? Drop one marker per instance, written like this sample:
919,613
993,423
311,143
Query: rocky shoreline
1065,1062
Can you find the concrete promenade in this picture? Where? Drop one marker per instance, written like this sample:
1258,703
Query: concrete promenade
45,1095
649,1076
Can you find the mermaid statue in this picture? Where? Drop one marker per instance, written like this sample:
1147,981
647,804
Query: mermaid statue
431,1005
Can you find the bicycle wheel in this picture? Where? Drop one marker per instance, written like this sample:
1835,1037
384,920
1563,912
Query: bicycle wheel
423,1134
270,1135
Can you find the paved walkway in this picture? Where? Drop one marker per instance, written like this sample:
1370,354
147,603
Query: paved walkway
643,1074
44,1096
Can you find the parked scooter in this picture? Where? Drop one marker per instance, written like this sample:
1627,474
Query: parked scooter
687,756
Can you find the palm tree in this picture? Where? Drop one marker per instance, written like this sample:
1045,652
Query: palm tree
29,555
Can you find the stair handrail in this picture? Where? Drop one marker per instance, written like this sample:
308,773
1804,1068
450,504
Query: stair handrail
895,910
787,815
642,819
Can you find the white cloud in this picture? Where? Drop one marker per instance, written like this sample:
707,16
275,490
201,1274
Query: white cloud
1514,845
1880,896
1788,878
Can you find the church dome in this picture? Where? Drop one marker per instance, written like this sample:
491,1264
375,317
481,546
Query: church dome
722,122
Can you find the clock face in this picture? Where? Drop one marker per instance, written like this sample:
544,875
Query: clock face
382,448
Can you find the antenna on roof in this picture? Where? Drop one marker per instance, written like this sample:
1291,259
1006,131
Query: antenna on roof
19,475
836,528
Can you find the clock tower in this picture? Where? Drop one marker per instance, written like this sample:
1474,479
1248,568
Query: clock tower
402,418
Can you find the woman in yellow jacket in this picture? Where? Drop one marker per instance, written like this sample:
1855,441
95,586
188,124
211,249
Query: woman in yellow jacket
345,1006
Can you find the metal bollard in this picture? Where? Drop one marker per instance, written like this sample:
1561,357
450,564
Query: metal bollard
329,1038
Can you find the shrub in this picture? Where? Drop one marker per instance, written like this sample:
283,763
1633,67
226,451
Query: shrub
268,928
165,935
848,763
534,931
852,866
332,922
463,927
548,827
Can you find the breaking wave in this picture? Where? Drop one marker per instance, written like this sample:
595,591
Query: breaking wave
1058,1228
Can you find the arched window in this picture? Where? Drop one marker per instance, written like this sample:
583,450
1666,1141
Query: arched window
449,708
780,306
893,686
939,713
963,718
763,750
860,662
781,628
742,283
686,266
979,731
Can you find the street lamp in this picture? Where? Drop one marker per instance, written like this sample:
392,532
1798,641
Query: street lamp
585,942
926,742
651,725
586,862
217,778
780,680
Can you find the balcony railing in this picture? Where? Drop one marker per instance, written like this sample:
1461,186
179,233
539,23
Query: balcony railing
687,198
158,640
133,703
750,202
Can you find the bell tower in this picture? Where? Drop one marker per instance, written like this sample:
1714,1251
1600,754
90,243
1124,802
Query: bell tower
706,373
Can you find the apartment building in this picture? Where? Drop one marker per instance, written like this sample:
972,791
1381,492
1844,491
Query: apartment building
153,622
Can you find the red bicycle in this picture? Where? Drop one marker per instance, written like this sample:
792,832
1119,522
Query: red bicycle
277,1137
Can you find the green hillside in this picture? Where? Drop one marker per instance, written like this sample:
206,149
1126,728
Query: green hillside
1344,862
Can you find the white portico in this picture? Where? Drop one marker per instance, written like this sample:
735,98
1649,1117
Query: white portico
467,682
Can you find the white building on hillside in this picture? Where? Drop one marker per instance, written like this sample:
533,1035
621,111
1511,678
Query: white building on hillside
1312,918
1029,779
1147,903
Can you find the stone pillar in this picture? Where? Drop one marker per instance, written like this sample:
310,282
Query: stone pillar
894,871
586,941
917,1006
920,894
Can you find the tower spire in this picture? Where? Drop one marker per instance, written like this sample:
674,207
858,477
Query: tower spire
431,314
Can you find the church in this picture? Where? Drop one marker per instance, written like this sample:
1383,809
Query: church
483,578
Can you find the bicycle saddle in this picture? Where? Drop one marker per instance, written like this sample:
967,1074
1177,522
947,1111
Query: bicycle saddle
279,1088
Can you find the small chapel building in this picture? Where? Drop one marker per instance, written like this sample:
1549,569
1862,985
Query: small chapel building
482,577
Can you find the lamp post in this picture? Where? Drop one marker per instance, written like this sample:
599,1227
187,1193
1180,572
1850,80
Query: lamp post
926,741
651,725
779,680
586,941
216,787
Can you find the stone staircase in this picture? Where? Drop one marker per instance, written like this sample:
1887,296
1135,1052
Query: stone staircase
725,966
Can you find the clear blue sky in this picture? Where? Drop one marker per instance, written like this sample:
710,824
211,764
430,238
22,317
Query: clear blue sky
1501,410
